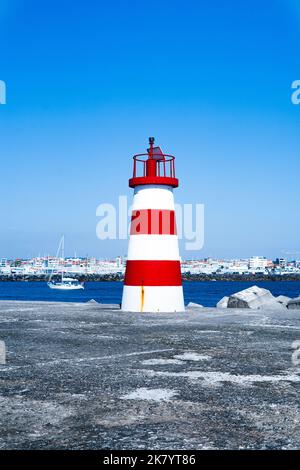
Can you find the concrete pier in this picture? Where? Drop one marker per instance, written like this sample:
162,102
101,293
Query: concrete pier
86,376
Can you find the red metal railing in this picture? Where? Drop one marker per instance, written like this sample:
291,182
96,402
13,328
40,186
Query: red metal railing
159,165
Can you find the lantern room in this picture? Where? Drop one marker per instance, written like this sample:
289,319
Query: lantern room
153,167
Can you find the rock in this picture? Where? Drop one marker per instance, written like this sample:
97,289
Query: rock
283,300
223,302
254,297
294,304
2,353
273,305
193,305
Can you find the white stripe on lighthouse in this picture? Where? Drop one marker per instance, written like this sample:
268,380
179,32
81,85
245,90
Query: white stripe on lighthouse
153,197
153,247
152,299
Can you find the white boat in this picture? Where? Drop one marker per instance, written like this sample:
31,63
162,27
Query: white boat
64,283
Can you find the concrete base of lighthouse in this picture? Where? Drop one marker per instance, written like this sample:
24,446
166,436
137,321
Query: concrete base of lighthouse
152,299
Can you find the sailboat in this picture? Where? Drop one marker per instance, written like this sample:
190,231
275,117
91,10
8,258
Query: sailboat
64,283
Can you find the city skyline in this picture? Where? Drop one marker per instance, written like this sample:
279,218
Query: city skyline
86,96
52,265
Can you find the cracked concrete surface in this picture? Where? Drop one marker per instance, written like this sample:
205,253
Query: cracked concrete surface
86,376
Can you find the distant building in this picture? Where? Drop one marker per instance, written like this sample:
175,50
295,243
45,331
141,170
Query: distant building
258,263
282,262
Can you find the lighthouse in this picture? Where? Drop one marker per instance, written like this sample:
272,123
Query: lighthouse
153,277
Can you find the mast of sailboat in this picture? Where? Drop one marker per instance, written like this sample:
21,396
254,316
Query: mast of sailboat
60,247
63,256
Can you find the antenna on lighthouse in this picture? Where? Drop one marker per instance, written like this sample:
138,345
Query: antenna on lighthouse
151,142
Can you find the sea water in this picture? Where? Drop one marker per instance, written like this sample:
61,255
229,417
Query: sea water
206,293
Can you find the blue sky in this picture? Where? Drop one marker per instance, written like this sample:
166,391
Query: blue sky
88,82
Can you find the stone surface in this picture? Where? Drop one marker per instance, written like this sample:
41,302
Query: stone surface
193,305
82,376
223,303
272,305
283,299
254,297
294,304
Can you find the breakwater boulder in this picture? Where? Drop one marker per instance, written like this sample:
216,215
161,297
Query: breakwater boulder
193,305
294,304
255,298
283,299
223,303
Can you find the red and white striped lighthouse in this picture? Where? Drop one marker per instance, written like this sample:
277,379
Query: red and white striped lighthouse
153,277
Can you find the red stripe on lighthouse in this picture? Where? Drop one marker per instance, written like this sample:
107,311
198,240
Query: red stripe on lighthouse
153,222
152,273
